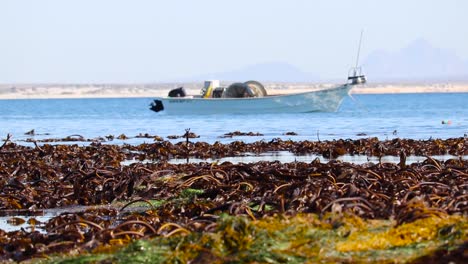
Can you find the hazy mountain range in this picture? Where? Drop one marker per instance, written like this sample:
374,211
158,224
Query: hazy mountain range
419,61
273,71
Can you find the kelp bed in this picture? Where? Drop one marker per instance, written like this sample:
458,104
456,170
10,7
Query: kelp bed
264,212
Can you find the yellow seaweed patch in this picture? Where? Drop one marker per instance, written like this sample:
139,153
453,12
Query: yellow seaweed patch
422,230
301,238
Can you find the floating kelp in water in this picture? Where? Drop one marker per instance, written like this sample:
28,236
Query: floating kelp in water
238,133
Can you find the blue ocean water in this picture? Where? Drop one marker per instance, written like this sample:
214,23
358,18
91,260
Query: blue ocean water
416,116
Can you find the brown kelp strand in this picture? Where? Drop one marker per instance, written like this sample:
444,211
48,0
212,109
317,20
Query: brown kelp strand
53,176
238,133
329,149
187,134
163,200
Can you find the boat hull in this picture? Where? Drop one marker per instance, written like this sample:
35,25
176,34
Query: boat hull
327,100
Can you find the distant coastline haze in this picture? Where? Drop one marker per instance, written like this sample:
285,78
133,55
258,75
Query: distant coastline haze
116,41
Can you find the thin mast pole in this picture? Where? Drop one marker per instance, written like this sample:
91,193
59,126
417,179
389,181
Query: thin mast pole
359,48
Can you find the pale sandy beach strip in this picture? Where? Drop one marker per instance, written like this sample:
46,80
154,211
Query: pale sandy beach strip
43,91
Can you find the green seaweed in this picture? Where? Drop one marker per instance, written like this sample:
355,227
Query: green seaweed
296,239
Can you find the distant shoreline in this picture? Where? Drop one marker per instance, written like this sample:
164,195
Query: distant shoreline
63,91
423,88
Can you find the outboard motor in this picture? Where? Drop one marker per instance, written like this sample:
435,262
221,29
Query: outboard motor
178,92
157,106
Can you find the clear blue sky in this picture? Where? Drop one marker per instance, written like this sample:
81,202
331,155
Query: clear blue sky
90,41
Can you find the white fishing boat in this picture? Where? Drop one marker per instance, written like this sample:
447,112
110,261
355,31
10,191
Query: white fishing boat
251,98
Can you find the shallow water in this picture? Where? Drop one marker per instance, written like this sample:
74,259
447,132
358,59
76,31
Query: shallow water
8,227
387,116
286,157
43,216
